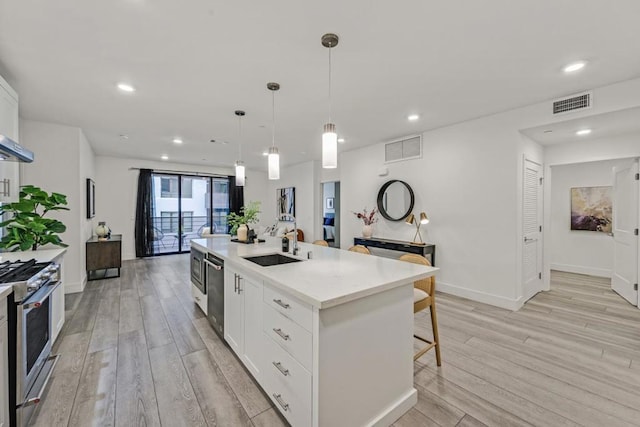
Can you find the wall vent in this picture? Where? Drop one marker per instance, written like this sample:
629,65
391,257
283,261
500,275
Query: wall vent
409,147
573,103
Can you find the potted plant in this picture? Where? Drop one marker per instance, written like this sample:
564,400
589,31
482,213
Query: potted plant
248,215
368,218
28,228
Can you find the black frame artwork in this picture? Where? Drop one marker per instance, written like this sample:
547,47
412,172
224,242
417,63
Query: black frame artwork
91,198
286,201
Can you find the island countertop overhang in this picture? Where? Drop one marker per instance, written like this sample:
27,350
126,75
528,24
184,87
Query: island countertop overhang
330,278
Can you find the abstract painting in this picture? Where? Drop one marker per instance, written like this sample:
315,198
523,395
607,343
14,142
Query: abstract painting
591,209
286,202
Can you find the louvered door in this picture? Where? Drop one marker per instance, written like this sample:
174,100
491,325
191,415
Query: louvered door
532,229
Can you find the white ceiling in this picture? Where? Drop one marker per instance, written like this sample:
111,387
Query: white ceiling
605,125
195,62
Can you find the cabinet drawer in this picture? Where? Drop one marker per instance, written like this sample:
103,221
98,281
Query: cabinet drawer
295,378
285,391
289,335
295,310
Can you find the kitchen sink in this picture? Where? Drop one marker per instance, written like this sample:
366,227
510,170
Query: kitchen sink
271,259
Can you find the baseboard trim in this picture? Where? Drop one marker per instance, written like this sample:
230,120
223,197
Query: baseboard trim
72,288
496,300
579,269
398,409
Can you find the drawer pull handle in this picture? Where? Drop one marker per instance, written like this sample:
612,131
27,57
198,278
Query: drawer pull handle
281,304
282,370
281,334
281,402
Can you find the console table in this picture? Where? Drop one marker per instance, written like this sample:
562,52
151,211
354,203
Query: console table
104,255
423,249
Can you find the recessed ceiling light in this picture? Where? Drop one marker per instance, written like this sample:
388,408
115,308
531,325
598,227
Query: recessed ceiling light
341,140
413,117
124,136
583,132
265,153
126,87
164,157
177,140
574,66
548,131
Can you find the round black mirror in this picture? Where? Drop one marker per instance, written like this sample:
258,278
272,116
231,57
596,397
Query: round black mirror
395,200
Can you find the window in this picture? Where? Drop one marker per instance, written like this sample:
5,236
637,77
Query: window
169,222
169,188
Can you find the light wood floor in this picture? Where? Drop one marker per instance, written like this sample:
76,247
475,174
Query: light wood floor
138,352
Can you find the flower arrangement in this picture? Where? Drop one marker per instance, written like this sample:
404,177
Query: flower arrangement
368,218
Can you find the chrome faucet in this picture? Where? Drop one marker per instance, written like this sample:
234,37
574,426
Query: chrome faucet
295,231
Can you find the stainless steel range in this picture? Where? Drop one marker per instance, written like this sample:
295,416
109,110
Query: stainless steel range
30,360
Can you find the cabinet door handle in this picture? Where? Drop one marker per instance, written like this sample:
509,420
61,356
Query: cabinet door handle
281,402
282,370
281,334
281,304
235,283
239,288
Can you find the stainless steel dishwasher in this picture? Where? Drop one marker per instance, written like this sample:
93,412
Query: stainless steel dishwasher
215,292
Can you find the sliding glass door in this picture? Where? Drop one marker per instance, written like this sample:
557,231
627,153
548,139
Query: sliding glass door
186,208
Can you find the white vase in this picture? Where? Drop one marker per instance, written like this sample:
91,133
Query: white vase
242,232
367,231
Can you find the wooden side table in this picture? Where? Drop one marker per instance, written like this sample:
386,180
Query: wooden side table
104,257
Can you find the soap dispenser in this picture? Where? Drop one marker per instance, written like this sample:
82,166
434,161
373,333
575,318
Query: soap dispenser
285,244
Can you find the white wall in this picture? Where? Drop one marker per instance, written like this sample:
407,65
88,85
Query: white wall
584,252
63,161
469,182
305,178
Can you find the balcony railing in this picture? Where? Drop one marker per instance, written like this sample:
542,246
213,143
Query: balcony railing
169,236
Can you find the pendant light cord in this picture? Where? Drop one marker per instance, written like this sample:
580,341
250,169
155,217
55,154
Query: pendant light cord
273,118
330,47
240,138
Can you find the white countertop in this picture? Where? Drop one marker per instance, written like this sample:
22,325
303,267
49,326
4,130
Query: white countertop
331,277
42,255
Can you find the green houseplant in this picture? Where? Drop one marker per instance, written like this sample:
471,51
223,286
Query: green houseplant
28,228
249,215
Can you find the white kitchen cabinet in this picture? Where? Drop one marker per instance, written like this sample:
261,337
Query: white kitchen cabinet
4,365
57,305
243,318
9,171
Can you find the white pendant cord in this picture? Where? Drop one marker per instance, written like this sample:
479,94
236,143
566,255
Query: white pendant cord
240,138
273,118
330,47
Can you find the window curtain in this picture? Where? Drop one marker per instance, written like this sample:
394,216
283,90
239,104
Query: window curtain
144,230
236,197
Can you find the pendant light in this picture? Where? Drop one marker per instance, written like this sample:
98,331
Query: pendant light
274,156
329,136
239,163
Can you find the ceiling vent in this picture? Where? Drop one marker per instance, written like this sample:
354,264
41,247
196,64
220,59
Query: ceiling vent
574,103
409,147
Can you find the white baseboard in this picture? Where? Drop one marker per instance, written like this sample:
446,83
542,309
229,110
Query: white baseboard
579,269
496,300
398,409
72,288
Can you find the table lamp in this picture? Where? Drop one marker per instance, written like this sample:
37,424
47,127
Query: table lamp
411,220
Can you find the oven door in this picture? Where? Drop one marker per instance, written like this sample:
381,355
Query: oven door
33,339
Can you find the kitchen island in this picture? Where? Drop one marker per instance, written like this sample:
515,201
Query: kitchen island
330,339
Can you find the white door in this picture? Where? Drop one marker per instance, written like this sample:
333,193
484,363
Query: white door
253,346
624,279
532,229
233,311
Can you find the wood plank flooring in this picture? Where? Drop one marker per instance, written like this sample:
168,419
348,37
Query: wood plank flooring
138,352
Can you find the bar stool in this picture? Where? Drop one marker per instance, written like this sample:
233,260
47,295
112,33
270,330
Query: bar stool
321,243
360,249
424,296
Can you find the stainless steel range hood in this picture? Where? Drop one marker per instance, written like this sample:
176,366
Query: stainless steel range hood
12,151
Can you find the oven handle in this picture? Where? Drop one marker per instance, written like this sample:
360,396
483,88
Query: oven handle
35,304
38,398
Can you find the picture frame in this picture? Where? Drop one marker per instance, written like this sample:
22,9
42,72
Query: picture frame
91,198
286,202
592,209
329,203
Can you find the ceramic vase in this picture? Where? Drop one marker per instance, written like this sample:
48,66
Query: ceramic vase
367,231
102,230
242,232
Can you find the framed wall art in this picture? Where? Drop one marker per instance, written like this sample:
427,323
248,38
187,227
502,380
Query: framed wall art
591,209
286,201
